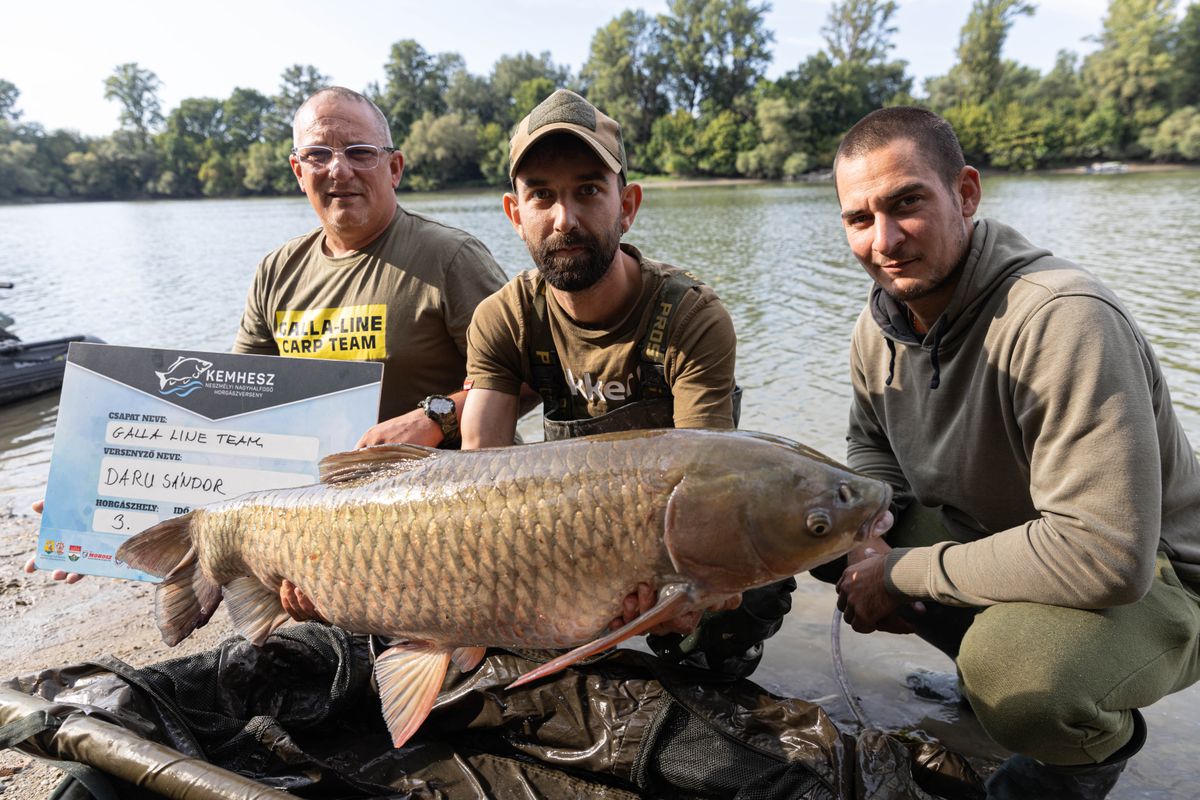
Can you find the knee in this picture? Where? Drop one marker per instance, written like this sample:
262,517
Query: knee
1025,692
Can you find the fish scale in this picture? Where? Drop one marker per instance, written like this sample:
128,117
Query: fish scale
523,547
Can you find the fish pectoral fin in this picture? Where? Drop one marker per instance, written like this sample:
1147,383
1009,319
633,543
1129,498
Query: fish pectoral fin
254,608
370,461
409,678
672,601
468,658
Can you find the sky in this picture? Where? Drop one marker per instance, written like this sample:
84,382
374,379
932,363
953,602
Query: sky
59,54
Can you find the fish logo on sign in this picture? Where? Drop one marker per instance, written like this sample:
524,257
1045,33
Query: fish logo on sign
183,377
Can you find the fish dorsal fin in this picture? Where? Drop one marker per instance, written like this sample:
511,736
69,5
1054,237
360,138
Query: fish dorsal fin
254,609
673,600
371,461
409,678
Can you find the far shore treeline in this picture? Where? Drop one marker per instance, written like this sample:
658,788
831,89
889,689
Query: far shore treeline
688,87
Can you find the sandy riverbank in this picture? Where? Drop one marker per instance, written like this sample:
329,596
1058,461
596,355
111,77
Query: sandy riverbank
46,623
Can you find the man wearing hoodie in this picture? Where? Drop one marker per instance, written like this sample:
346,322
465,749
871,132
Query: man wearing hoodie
1049,499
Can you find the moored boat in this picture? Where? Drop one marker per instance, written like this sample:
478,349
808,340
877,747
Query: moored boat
31,368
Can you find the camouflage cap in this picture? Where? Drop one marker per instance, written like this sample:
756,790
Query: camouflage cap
566,112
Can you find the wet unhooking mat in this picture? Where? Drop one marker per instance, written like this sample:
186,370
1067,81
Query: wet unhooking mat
298,718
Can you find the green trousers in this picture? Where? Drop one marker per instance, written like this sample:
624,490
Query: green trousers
1055,683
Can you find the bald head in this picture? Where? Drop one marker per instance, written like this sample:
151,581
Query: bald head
339,94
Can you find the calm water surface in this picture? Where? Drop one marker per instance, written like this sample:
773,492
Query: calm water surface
175,274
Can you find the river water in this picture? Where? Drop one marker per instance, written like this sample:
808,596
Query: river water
174,275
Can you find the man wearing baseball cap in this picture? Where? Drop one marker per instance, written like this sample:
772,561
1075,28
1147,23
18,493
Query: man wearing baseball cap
610,339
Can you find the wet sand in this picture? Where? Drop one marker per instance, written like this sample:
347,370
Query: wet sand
46,623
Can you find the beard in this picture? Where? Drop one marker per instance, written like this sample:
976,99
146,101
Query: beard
935,276
578,272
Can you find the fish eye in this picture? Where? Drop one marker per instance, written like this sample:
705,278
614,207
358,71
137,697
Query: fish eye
818,522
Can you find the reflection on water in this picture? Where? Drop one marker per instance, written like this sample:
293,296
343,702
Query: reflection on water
175,274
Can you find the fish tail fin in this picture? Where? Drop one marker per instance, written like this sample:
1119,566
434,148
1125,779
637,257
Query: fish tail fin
160,548
186,598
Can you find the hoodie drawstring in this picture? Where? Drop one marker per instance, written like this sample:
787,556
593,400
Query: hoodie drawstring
936,380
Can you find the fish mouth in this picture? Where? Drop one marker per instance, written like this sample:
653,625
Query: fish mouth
880,522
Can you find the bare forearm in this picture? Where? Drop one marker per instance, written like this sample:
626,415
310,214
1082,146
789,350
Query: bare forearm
489,419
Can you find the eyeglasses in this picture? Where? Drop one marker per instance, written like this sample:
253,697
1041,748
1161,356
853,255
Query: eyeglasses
359,156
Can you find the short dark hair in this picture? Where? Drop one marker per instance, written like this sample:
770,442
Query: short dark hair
933,136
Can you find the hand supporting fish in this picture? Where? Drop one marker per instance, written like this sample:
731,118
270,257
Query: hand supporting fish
535,546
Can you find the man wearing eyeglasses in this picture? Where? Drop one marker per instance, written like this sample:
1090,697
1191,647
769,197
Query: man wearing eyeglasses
374,282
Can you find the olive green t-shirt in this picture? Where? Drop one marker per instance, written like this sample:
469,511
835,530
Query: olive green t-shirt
601,367
405,300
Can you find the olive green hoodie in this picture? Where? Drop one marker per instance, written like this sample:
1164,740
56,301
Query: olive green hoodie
1035,414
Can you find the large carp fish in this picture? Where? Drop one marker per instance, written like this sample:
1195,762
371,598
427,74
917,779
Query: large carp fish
533,546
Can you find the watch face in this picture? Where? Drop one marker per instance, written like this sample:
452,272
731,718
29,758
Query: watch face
441,405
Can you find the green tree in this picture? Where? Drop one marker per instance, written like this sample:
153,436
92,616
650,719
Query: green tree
529,94
297,83
512,72
245,115
831,97
415,82
19,176
1104,132
674,145
492,142
719,141
1018,138
1133,68
442,150
859,31
267,168
1187,58
978,74
1177,138
982,42
1062,103
973,123
626,73
115,167
136,89
194,130
223,174
781,151
8,101
52,150
472,95
717,49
